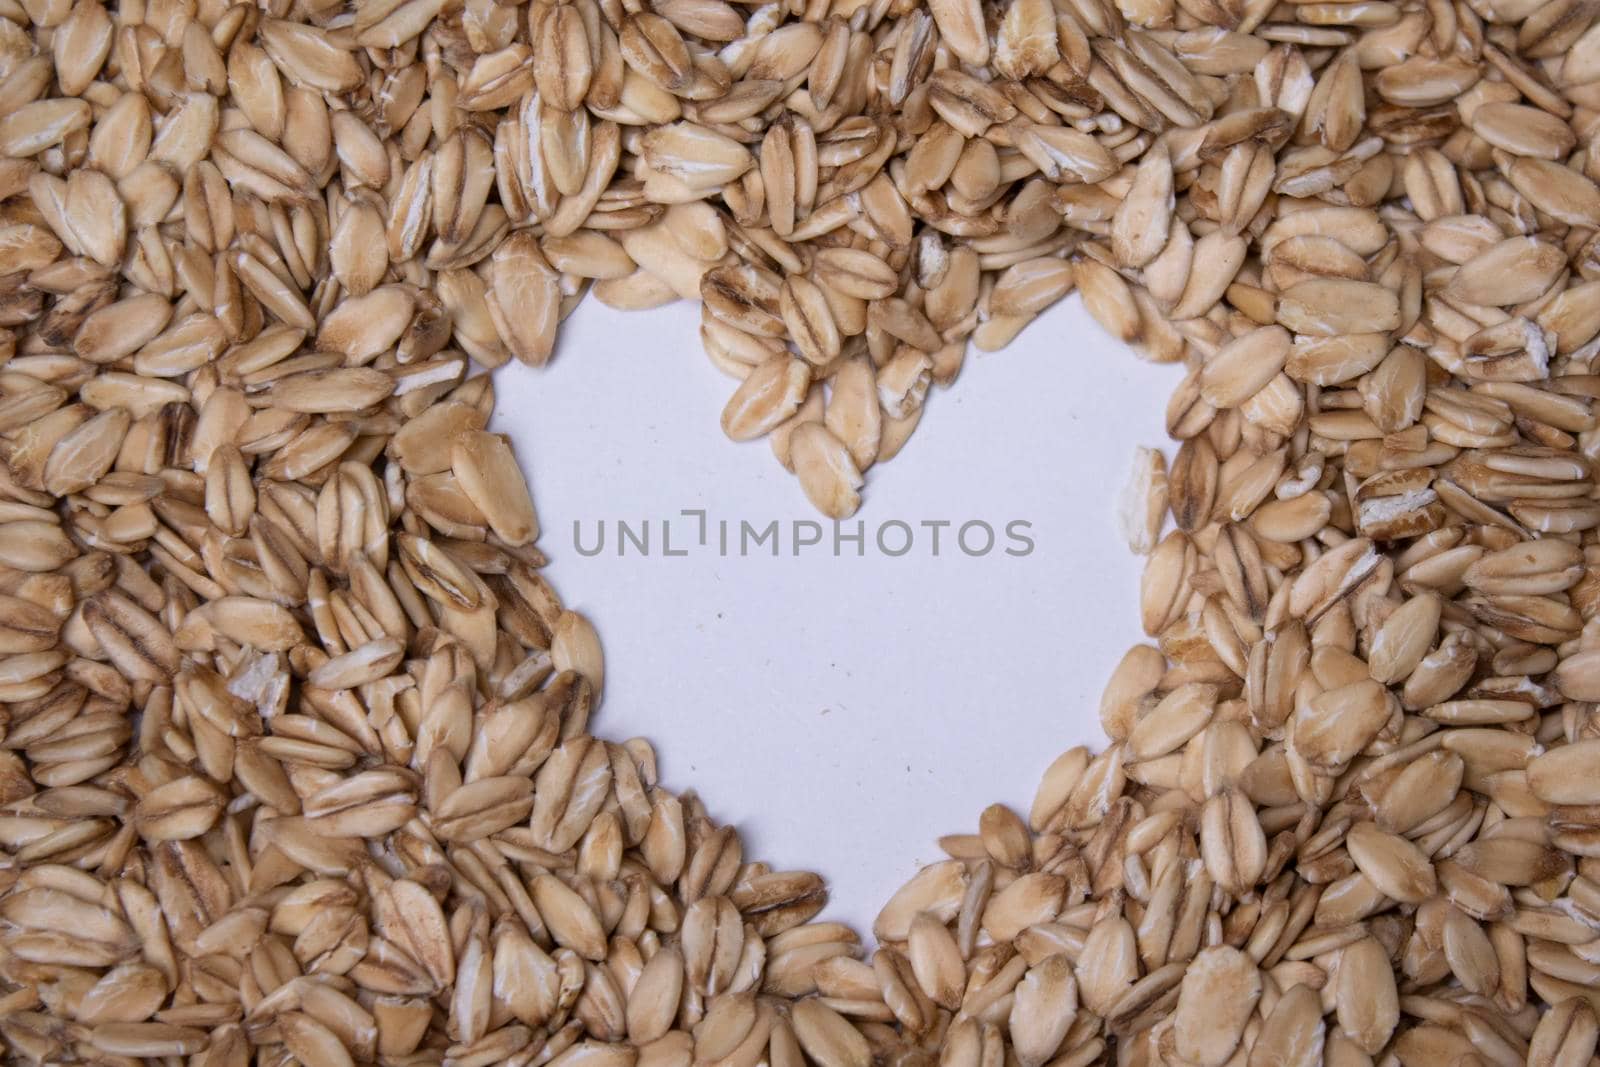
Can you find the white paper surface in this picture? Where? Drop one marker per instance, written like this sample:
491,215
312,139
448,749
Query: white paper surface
844,711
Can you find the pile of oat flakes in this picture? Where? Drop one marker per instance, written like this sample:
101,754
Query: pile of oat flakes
295,762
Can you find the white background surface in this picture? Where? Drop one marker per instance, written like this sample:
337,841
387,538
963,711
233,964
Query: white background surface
845,712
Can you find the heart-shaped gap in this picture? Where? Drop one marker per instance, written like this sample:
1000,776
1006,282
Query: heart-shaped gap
844,710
